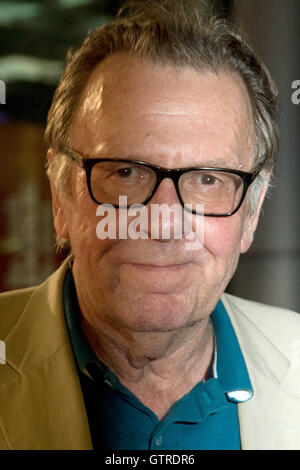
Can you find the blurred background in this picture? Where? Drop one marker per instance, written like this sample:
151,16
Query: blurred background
34,38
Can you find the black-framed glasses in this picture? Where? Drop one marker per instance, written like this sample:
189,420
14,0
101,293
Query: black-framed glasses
215,192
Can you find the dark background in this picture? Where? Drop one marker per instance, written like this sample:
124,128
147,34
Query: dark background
34,38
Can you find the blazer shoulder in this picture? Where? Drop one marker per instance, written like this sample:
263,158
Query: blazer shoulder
262,311
280,325
12,304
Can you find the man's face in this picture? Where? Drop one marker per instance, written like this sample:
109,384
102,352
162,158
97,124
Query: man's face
169,118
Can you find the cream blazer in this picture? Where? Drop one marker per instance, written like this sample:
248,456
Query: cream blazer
41,403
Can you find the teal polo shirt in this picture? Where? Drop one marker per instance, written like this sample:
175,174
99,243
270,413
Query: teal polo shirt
206,418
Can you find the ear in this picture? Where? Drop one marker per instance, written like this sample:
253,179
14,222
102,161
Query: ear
251,220
58,207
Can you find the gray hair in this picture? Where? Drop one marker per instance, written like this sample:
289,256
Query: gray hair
180,33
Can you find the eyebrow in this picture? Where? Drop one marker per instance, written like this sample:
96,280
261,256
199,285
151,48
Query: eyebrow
216,162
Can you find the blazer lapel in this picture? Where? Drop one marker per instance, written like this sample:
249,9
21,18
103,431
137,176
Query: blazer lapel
270,420
41,402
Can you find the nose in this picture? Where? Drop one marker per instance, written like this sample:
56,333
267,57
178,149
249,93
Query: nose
165,193
165,213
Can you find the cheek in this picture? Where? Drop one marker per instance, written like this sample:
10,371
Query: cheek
222,237
82,222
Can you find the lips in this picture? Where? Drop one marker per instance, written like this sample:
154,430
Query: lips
160,266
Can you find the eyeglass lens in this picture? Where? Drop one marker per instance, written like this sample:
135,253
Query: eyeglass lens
219,192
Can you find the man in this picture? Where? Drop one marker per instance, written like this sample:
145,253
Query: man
132,343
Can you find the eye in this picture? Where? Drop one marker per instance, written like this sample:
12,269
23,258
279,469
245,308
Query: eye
127,172
208,179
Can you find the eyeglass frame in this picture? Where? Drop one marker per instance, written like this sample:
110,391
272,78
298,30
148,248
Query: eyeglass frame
174,174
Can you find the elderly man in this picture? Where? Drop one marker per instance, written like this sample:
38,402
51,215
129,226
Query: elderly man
132,343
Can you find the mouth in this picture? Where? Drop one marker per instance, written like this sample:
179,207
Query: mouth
154,266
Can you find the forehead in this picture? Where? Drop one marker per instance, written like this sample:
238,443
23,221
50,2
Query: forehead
156,112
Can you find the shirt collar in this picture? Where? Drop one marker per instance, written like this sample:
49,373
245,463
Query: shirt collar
81,348
228,363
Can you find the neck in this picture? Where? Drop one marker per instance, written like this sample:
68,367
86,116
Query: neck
136,356
158,367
